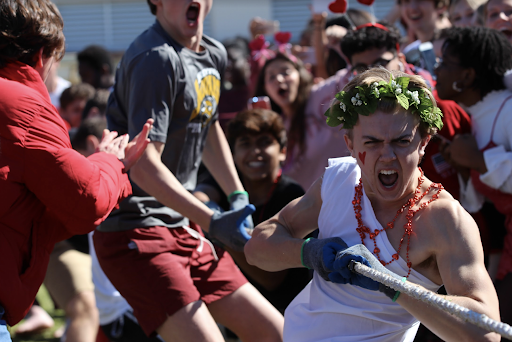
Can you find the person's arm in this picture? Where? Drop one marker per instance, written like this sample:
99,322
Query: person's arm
152,176
81,192
276,243
494,164
393,14
319,41
459,256
218,160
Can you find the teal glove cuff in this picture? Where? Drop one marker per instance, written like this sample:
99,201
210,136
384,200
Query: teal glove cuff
302,252
236,192
397,294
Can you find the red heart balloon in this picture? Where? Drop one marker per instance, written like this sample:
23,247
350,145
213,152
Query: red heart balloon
257,43
338,6
366,2
282,37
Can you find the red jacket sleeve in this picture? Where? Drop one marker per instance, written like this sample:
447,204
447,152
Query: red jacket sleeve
80,191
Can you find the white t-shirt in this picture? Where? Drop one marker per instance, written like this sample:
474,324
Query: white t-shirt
498,159
325,311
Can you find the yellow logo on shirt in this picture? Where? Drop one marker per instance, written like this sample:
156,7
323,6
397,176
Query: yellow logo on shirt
207,86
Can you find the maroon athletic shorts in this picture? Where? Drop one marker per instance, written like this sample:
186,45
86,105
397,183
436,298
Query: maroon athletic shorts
159,270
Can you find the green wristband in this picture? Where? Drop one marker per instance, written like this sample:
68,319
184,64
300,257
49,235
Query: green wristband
397,294
236,192
302,252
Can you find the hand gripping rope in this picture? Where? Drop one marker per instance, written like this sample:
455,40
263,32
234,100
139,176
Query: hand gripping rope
433,299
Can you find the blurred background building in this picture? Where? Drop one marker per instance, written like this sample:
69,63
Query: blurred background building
115,23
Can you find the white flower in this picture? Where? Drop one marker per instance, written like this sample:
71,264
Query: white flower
343,107
340,118
415,96
356,100
397,88
375,89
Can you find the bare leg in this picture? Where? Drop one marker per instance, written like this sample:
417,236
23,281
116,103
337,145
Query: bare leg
249,315
36,321
84,318
191,323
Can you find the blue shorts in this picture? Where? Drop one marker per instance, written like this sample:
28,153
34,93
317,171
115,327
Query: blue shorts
5,336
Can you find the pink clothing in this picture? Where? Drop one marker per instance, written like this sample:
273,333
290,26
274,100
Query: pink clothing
322,142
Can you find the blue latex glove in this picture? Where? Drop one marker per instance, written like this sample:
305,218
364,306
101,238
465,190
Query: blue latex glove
319,254
342,274
228,227
238,201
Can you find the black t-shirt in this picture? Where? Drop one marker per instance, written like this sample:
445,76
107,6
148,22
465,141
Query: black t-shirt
285,191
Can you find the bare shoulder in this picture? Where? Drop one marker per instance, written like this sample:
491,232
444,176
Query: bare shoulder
450,225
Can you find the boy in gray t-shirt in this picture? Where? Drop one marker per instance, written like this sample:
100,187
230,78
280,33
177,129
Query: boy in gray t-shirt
152,248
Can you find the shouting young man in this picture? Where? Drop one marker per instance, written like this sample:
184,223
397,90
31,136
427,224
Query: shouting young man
378,208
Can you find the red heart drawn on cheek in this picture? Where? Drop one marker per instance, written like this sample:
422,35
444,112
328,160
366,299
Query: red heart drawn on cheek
338,6
366,2
362,156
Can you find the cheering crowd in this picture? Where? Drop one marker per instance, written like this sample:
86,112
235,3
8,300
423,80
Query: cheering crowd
208,191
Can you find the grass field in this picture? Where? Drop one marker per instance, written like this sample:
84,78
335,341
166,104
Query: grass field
57,314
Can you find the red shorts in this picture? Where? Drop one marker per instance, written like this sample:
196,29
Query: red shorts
159,270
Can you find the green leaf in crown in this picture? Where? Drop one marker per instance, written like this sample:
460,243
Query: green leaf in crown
364,100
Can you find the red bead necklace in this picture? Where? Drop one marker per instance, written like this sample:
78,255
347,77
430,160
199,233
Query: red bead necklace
418,196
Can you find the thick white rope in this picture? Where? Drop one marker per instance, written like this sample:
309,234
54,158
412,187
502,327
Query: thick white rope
432,298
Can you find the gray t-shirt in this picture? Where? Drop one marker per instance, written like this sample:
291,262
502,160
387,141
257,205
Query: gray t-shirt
180,89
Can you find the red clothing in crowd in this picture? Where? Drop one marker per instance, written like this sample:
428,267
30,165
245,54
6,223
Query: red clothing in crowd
456,121
48,191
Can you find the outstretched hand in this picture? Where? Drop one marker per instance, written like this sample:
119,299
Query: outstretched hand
128,152
137,146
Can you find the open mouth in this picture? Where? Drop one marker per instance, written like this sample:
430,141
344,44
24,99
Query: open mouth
507,32
415,17
388,178
283,92
193,13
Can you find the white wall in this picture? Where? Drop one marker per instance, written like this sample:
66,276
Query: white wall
230,18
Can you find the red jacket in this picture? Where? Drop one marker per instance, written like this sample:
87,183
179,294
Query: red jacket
48,191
